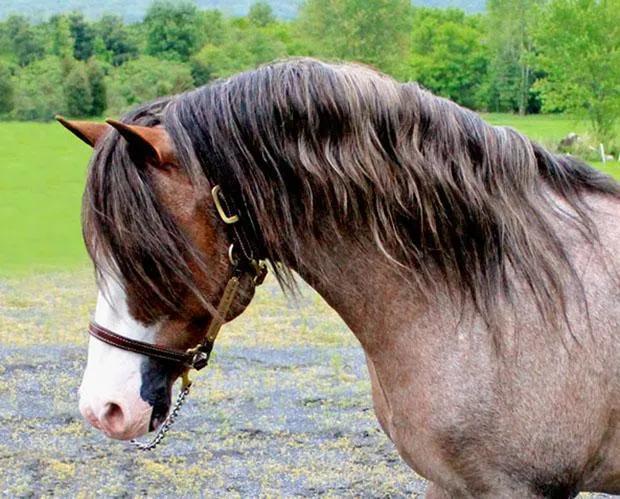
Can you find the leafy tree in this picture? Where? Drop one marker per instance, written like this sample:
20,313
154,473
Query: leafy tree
286,33
6,44
215,62
59,32
98,91
172,29
371,31
117,40
261,14
510,29
26,45
262,46
214,29
6,88
449,54
78,96
83,35
245,49
144,79
38,88
578,48
102,54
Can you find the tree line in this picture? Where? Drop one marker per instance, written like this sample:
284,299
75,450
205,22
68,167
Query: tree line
524,56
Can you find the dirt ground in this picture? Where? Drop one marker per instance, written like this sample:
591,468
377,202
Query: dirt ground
284,409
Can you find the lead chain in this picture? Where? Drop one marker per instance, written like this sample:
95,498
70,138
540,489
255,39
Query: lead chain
163,429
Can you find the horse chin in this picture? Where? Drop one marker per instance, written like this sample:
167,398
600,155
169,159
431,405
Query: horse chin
156,391
157,421
158,416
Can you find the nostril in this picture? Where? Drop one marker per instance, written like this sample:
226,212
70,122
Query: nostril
88,413
113,417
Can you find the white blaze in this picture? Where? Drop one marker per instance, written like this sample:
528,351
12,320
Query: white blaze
112,375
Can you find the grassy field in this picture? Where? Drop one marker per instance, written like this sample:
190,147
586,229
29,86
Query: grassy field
43,170
548,128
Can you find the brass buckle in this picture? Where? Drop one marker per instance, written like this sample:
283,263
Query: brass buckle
215,192
260,270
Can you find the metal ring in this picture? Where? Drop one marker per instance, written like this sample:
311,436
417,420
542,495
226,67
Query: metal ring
231,255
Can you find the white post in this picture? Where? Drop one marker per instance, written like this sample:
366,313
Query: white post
603,158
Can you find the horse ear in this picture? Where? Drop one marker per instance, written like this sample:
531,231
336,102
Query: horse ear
151,143
87,131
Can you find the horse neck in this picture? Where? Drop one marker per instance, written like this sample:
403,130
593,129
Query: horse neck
373,298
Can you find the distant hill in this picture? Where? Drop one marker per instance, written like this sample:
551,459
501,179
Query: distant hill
133,10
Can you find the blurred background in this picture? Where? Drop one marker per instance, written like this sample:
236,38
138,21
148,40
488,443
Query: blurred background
550,68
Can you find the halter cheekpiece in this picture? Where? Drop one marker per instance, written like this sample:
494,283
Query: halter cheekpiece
244,261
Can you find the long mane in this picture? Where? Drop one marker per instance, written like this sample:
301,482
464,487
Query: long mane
308,148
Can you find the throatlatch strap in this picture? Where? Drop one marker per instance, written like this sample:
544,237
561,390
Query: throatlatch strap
222,309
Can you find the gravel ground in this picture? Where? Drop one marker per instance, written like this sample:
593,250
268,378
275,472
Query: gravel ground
286,422
284,408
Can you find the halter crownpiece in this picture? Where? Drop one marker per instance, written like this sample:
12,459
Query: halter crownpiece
243,263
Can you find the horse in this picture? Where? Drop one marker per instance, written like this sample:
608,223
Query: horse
478,270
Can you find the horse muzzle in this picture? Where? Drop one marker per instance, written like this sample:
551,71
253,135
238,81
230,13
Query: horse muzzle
117,416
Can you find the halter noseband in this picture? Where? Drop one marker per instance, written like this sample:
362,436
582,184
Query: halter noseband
243,263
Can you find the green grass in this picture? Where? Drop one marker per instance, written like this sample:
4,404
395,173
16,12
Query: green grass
43,172
547,128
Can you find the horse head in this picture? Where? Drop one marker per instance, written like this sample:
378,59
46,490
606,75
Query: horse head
138,207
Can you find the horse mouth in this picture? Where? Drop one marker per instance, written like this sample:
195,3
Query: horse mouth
158,415
157,421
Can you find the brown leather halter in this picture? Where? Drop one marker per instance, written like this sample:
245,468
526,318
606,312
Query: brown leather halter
245,262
